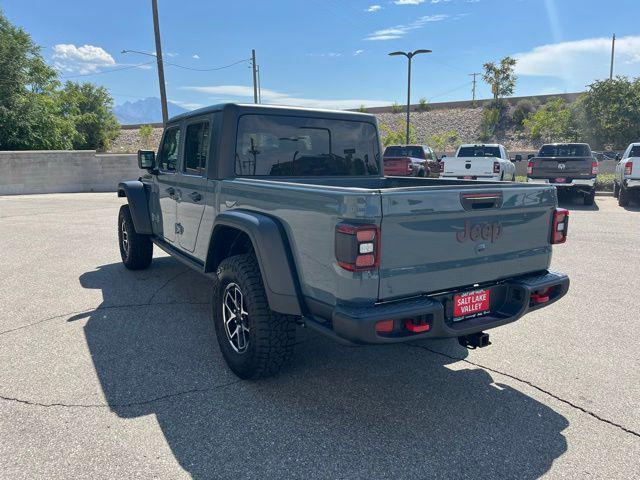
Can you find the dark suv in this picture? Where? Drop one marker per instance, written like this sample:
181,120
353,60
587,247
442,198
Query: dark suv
567,166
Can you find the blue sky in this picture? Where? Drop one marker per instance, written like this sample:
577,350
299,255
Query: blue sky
332,53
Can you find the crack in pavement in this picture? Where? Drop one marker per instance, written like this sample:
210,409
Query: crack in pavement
167,282
97,309
532,385
119,405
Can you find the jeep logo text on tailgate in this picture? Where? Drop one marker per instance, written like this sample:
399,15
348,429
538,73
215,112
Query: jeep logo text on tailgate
480,231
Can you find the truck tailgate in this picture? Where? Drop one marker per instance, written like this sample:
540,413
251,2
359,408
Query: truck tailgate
440,239
468,166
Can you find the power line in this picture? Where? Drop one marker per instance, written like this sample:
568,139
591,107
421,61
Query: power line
465,85
213,69
102,72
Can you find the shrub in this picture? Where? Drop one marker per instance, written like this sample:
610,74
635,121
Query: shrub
396,108
423,104
145,133
524,109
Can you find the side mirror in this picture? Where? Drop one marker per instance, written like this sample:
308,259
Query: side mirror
618,156
146,159
443,156
518,158
530,156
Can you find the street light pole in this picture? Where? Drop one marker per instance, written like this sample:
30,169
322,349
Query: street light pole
409,56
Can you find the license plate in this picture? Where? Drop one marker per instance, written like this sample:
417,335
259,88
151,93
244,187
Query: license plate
560,180
468,177
471,304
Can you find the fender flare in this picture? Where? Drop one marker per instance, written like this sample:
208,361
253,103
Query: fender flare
138,201
272,251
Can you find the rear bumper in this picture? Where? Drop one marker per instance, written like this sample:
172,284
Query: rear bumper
576,184
511,299
631,183
473,177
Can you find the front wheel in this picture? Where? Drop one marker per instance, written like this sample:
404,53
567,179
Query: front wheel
136,250
255,341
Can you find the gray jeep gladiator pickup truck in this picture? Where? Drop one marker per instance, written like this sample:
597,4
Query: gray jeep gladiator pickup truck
288,213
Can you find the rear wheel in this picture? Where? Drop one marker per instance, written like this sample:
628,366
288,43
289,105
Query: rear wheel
590,198
623,197
136,250
616,190
254,341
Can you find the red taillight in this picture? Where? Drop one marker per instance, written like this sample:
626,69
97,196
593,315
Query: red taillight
560,225
529,167
628,168
594,168
541,296
496,167
416,326
384,326
357,247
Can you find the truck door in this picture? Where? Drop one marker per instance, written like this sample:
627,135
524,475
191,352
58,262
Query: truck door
192,184
168,154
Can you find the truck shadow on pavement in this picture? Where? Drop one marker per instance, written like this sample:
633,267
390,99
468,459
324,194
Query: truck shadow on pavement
348,412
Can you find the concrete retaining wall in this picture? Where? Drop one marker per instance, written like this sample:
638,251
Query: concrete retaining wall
58,171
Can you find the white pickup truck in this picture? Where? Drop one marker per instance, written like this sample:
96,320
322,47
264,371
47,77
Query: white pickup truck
627,179
486,161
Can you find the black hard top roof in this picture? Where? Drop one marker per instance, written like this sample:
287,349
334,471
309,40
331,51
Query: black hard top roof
245,108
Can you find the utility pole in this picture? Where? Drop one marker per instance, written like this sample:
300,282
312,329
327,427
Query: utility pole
255,76
474,87
163,92
613,51
259,89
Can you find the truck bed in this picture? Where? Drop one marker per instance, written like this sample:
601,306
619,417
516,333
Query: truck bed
425,225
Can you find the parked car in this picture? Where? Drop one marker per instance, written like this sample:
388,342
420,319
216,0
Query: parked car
570,167
626,184
287,212
485,161
410,160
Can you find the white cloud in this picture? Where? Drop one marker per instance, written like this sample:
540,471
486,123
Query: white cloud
245,93
187,105
84,59
580,62
399,31
171,54
373,8
196,56
358,52
408,2
328,54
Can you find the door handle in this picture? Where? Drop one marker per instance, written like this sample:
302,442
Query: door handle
195,196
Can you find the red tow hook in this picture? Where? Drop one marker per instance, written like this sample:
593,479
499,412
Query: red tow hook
416,326
541,297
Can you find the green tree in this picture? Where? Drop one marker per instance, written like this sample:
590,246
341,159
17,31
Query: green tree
30,115
523,110
423,104
611,112
89,107
396,137
396,108
501,77
441,141
552,122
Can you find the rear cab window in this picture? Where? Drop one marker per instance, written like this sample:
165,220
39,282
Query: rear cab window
398,151
635,151
479,151
278,145
566,151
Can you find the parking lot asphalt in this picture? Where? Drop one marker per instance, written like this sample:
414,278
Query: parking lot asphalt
108,373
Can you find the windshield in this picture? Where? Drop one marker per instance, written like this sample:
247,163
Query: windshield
271,145
479,152
397,151
569,150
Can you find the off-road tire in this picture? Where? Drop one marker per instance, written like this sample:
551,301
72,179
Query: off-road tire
421,173
590,198
136,250
623,197
616,190
271,334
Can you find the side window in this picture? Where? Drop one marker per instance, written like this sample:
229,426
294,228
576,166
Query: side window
169,150
196,148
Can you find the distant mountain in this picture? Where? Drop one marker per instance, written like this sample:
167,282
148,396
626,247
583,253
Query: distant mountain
148,110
